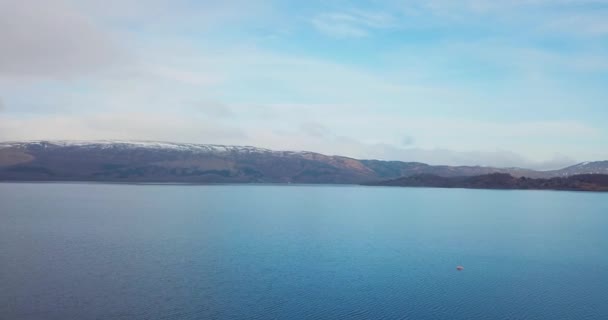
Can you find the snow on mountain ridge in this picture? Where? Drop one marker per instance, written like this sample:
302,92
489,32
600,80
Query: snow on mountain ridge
107,144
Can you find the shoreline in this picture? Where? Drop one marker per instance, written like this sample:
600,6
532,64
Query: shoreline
279,184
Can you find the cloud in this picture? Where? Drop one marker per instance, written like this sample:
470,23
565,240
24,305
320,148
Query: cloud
214,109
309,136
182,75
164,17
129,126
352,24
332,144
548,18
497,158
458,152
52,40
314,129
592,24
488,6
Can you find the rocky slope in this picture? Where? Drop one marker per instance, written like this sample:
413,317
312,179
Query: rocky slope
136,161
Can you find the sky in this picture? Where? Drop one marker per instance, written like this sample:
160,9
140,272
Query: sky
459,82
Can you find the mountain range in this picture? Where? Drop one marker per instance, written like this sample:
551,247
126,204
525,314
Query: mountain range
140,161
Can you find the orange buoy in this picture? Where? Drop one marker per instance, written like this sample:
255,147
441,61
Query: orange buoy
459,268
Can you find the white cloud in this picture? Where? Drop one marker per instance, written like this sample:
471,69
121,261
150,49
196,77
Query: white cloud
526,18
183,75
586,24
214,109
136,126
351,24
332,144
40,38
315,129
165,18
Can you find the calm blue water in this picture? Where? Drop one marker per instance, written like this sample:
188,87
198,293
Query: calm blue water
95,251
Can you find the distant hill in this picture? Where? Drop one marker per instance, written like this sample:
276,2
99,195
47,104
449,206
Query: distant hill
137,161
585,182
597,167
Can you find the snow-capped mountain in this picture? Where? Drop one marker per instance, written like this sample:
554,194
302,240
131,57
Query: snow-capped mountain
170,162
150,161
595,167
125,145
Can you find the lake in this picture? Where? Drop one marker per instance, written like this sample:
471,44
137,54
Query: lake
111,251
